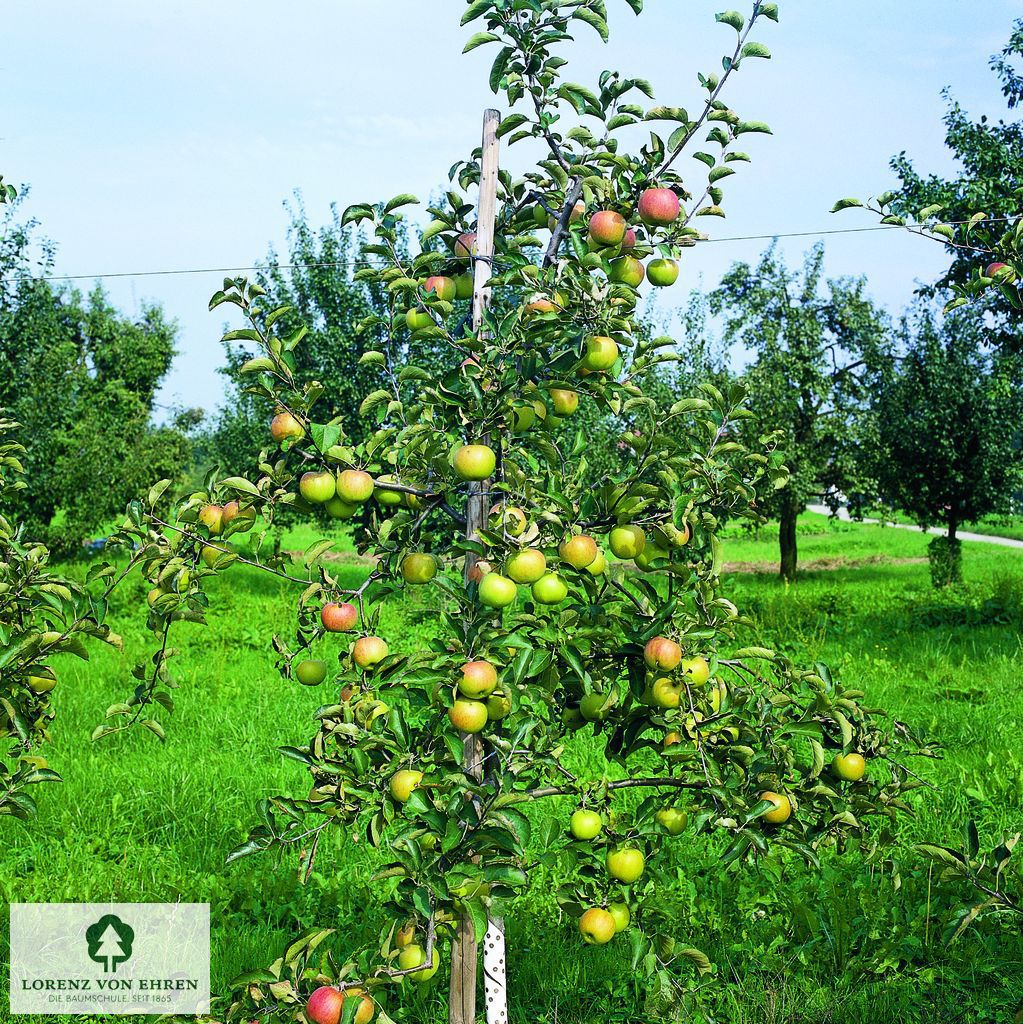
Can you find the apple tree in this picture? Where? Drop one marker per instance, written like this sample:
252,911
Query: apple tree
569,614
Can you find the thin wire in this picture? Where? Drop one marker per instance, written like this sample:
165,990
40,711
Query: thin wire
370,263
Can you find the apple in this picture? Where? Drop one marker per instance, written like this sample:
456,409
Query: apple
367,1008
311,672
339,617
1002,271
385,495
578,551
850,767
407,932
465,245
696,670
511,518
523,418
243,518
413,955
354,486
599,564
402,785
464,286
662,273
338,509
621,914
369,651
549,589
498,706
666,692
474,461
577,212
479,570
418,568
317,487
625,865
479,680
782,809
592,708
607,228
527,565
154,595
211,555
540,304
497,591
442,287
564,400
629,241
585,824
671,739
418,318
627,541
285,427
601,353
659,207
672,820
41,684
324,1005
212,517
662,653
597,926
627,270
468,715
651,553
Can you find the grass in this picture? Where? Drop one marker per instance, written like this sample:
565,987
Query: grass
137,821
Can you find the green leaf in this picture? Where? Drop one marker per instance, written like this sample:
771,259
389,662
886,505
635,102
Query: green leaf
481,39
744,127
373,399
372,358
636,5
356,213
594,20
239,483
405,199
717,173
769,11
845,204
699,959
498,68
474,10
733,18
755,50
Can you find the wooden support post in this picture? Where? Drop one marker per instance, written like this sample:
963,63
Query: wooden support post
464,953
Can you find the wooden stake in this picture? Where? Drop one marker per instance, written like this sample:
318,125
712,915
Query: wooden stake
464,953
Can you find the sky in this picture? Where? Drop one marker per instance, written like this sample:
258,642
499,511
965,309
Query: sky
160,136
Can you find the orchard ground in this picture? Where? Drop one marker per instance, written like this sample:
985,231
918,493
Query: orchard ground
135,820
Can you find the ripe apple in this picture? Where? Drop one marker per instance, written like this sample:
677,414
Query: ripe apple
512,518
850,767
317,487
385,495
597,926
523,418
285,427
211,555
354,486
474,461
465,245
527,565
627,270
468,715
464,286
338,509
413,955
696,670
339,617
627,541
607,228
662,653
497,591
666,692
621,914
601,353
243,518
577,212
367,1008
418,318
651,553
585,824
311,672
41,684
324,1005
442,287
369,651
659,207
564,400
592,708
782,809
418,568
1002,271
578,551
626,865
540,304
599,564
479,680
672,820
212,517
498,706
403,784
549,589
662,273
407,932
629,241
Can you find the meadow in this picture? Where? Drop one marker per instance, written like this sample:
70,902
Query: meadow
135,820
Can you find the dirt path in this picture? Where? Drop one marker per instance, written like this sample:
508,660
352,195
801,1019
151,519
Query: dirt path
934,531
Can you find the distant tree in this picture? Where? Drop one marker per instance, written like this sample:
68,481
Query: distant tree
948,417
813,342
82,380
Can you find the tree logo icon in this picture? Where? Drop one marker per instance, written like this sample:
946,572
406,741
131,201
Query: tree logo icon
109,942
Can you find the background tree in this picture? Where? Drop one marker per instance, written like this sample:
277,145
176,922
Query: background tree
813,342
948,417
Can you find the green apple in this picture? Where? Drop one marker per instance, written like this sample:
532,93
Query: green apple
468,715
673,820
601,353
474,461
403,784
621,914
527,565
597,926
585,824
591,707
318,487
497,591
625,865
311,672
627,541
549,589
479,680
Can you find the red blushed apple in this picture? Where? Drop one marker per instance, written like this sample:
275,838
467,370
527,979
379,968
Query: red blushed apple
662,653
659,207
284,427
324,1006
339,618
577,211
443,287
465,245
369,651
607,228
629,241
479,680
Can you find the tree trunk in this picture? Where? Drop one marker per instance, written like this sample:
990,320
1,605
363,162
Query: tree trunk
787,536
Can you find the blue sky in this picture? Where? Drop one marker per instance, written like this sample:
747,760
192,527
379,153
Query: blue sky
161,135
